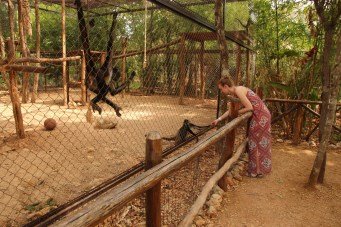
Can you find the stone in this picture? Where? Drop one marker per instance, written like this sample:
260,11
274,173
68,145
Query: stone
212,211
332,146
305,143
312,143
230,181
217,197
199,221
218,190
238,177
280,140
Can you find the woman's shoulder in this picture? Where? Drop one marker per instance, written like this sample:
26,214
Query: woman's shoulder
242,89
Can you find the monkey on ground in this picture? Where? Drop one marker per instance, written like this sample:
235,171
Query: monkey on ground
182,133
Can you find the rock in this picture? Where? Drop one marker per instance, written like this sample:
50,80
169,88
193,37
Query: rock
199,221
312,144
218,190
213,202
230,181
212,211
217,197
305,143
280,140
332,146
141,224
238,177
338,145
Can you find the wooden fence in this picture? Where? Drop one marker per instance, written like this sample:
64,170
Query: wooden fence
97,210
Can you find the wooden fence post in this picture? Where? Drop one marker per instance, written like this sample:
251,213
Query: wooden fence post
228,148
298,125
153,195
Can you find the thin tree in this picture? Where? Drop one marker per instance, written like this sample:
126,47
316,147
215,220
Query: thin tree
329,15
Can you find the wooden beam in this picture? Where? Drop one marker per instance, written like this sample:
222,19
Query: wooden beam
274,120
24,68
318,115
296,101
97,210
153,195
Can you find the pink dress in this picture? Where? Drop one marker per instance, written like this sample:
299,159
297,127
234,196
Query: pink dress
259,135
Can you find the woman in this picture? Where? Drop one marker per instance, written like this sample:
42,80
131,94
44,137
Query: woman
259,134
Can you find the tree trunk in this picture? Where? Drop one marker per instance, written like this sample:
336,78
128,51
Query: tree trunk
202,76
331,86
3,54
182,69
24,50
64,72
36,75
13,91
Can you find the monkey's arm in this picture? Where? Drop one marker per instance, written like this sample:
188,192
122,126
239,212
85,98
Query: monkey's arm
198,126
124,85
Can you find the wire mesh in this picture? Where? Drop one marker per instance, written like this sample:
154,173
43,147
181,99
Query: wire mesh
49,168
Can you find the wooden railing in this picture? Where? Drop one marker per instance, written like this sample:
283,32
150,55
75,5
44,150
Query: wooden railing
97,210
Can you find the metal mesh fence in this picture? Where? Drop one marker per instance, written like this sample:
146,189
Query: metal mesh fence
48,168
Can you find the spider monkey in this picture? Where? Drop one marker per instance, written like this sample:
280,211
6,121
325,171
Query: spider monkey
181,135
99,80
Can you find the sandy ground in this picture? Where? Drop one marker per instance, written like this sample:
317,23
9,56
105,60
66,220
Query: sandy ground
281,198
61,164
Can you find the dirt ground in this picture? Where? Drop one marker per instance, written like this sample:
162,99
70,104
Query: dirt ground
281,198
49,168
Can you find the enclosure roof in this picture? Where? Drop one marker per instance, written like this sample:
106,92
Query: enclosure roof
206,36
91,4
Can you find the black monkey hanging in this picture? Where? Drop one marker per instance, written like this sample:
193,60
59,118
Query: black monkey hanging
99,80
182,133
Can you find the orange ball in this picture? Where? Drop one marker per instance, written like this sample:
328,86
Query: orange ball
50,124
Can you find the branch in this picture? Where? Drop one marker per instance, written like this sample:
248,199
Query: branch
187,221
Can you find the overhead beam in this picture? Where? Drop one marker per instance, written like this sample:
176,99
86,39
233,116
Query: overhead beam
180,10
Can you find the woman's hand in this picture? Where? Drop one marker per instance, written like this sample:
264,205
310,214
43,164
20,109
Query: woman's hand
215,122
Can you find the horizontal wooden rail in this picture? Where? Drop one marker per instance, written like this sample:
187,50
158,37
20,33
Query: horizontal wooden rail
24,68
148,50
296,101
100,208
40,60
318,115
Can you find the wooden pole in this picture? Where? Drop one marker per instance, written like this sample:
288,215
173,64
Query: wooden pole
36,75
248,68
65,92
238,64
153,195
24,51
200,201
274,120
319,116
83,84
298,125
311,132
202,77
195,77
182,70
124,61
228,147
296,101
3,54
13,91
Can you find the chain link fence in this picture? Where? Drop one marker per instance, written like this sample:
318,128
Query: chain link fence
177,66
